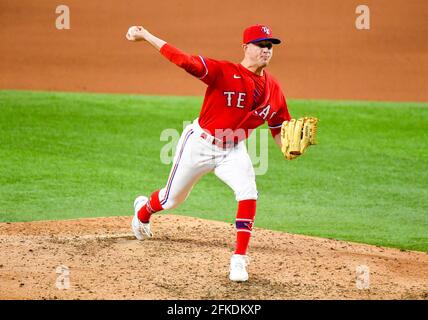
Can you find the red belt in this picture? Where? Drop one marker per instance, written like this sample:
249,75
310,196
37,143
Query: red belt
218,142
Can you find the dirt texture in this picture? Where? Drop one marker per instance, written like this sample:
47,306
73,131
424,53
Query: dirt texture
323,54
188,258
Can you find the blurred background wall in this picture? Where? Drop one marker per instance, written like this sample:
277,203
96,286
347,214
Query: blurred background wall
323,54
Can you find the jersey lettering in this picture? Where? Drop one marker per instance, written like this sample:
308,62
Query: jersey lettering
264,113
241,96
273,113
229,97
240,99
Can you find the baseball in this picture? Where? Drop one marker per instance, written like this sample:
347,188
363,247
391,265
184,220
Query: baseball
130,35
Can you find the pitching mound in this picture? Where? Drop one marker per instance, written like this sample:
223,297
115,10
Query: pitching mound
188,258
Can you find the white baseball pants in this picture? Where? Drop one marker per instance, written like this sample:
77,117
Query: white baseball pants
196,156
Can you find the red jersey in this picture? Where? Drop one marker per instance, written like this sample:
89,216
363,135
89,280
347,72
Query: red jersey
236,98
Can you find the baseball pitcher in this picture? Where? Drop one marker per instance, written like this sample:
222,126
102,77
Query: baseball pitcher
239,98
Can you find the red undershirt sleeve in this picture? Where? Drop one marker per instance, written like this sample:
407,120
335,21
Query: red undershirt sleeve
204,69
192,64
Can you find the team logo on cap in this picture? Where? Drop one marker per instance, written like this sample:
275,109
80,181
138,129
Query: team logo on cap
266,30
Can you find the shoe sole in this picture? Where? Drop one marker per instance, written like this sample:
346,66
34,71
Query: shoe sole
238,279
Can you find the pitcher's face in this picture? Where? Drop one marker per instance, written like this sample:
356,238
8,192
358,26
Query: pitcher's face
259,53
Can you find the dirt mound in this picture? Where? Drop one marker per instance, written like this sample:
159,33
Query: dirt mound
188,258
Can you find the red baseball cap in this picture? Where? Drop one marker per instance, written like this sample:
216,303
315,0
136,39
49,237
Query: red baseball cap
259,32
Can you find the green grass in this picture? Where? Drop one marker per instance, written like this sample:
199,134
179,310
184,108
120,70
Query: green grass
69,155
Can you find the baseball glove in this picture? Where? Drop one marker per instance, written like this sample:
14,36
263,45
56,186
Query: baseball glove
297,135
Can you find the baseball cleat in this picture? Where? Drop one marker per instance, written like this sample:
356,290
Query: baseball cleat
238,271
141,230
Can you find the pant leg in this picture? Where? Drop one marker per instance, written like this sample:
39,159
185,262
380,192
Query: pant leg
189,165
236,170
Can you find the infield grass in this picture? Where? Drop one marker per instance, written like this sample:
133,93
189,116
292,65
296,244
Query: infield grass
67,155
